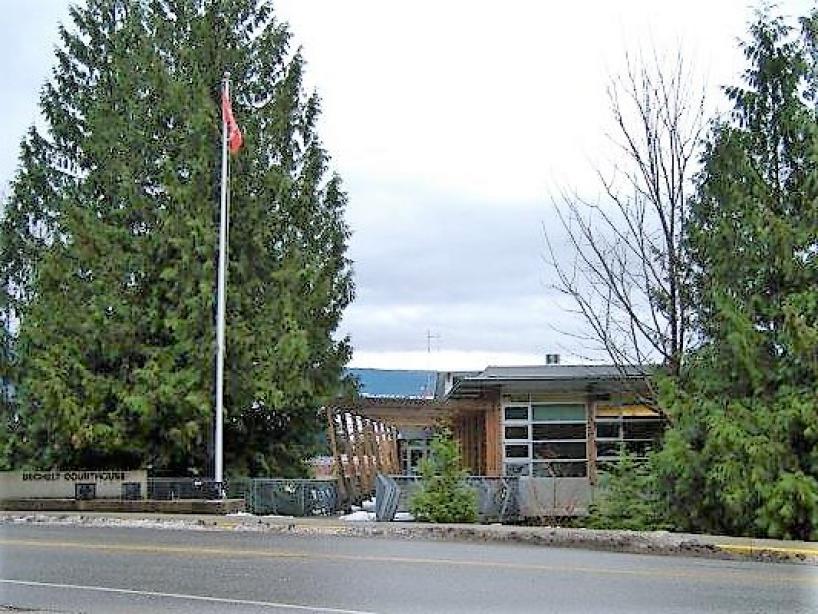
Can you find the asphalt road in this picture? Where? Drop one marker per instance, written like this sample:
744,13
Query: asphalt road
82,569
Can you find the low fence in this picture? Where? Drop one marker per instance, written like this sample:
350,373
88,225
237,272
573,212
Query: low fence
264,496
170,489
500,499
497,497
554,497
287,497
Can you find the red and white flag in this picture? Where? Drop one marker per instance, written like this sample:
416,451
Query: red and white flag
234,137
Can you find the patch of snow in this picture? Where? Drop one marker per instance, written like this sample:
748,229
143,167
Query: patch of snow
138,523
355,508
404,517
368,505
360,516
241,515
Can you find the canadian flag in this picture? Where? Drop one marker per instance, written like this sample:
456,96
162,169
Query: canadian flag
234,137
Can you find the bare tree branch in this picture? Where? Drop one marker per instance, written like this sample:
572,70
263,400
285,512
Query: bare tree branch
622,263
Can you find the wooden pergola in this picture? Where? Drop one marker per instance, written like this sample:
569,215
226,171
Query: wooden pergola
363,435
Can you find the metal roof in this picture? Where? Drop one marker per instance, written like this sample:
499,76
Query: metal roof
395,383
447,378
409,391
546,378
559,372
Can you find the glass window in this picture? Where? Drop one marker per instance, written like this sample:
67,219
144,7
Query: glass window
641,428
558,412
558,431
517,469
517,432
639,448
559,434
559,450
608,448
607,430
516,413
576,469
517,451
606,466
636,434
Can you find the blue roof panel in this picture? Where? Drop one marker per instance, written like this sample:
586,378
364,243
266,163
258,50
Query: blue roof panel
396,383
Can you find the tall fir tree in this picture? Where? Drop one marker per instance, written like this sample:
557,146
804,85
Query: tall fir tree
116,343
742,454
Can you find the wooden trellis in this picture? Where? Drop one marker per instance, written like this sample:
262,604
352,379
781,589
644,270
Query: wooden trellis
361,448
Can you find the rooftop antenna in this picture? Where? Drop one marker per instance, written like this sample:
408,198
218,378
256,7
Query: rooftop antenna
429,337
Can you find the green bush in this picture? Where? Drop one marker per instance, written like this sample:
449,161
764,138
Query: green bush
444,495
742,465
627,498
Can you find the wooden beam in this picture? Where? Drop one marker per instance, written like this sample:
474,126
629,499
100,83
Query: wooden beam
375,456
355,486
338,464
591,441
361,453
393,448
494,441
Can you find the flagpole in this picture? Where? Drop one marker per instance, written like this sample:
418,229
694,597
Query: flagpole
221,298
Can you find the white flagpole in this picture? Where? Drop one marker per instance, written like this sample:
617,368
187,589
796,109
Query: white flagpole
220,309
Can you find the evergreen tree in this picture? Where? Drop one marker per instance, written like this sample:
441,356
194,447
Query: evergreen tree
742,454
116,344
626,497
444,494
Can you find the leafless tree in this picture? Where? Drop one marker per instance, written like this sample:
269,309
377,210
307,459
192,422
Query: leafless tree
623,262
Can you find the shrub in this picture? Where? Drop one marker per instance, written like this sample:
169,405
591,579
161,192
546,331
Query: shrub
627,498
444,495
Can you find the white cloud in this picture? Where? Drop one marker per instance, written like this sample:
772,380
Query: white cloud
449,121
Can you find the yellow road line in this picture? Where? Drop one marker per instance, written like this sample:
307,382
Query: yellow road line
670,573
762,549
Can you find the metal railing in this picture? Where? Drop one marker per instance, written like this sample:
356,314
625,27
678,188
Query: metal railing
497,497
261,495
168,489
387,498
281,497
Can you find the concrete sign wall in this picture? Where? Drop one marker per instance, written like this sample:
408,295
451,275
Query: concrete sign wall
73,484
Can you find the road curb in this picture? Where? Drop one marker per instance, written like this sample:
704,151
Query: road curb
635,542
806,555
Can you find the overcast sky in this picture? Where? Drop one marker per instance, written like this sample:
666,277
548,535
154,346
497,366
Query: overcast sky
450,122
